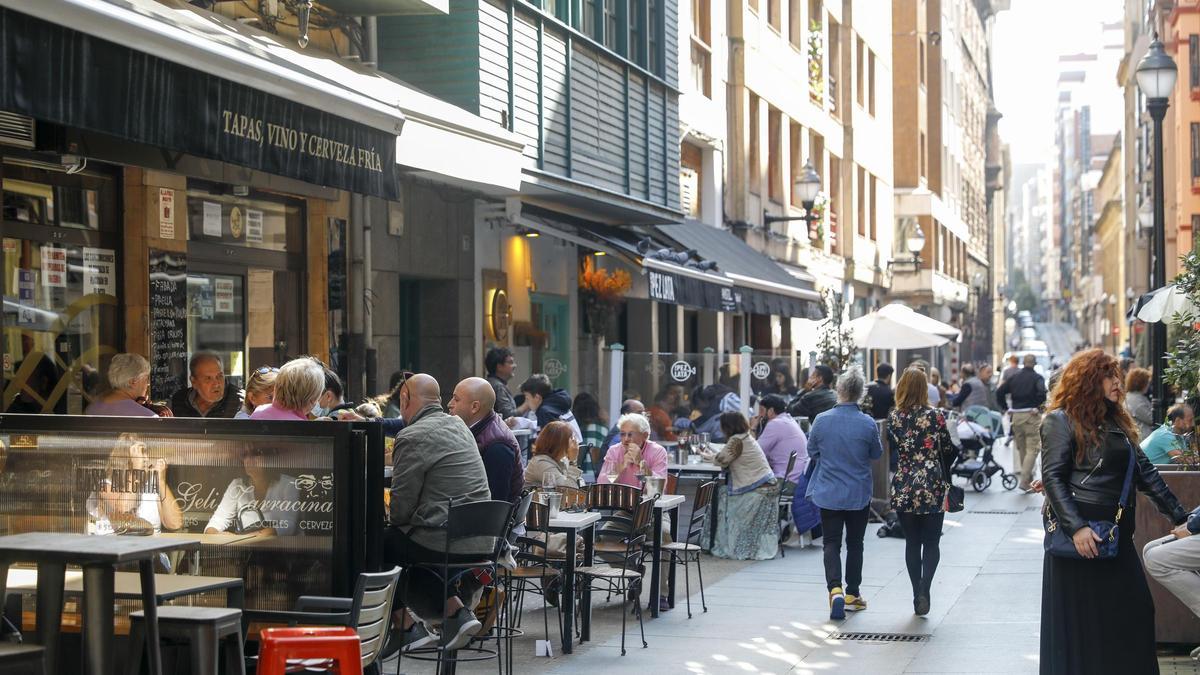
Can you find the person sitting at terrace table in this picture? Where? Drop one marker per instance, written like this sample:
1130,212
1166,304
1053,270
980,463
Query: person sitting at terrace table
210,394
435,459
629,405
298,386
555,453
747,518
129,382
544,404
1168,442
144,504
260,390
473,403
635,455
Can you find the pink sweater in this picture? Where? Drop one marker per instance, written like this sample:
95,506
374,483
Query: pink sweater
270,412
653,454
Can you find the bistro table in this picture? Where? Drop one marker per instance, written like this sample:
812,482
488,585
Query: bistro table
98,555
661,506
572,524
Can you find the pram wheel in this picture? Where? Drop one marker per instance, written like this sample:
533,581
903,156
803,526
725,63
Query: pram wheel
980,481
1009,481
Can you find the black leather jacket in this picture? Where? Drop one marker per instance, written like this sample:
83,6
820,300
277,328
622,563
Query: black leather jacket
1098,479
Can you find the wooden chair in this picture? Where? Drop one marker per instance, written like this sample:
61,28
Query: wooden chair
688,551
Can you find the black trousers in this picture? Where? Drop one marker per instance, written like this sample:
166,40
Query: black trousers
854,523
421,590
922,534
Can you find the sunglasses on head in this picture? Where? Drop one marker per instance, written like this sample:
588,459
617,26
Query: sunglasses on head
265,370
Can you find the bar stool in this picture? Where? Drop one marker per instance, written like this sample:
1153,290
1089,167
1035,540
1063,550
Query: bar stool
20,659
207,630
338,644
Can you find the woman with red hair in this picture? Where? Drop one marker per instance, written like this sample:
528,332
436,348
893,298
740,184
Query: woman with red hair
1097,614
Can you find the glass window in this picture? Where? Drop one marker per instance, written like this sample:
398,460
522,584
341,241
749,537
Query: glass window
60,319
43,194
217,320
636,49
250,221
655,38
610,24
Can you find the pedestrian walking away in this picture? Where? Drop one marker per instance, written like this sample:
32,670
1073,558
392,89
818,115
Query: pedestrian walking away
1097,615
842,443
1028,391
921,442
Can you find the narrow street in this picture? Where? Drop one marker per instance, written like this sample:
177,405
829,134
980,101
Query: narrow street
1061,339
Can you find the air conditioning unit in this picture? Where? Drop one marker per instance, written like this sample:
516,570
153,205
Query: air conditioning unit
16,130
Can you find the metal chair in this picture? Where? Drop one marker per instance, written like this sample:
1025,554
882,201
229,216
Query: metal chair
687,551
536,569
368,611
616,502
787,495
474,520
624,578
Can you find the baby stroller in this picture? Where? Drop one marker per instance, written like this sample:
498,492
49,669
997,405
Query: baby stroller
973,439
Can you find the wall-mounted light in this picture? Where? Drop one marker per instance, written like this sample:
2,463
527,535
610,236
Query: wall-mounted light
600,253
532,234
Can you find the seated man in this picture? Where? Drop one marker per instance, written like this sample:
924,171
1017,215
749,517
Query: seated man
210,395
1167,442
636,455
820,396
630,405
545,404
473,402
435,459
1174,562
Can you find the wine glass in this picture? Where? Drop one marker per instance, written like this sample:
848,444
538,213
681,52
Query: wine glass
612,475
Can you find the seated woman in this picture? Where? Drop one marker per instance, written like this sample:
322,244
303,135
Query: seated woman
260,390
134,498
748,516
554,455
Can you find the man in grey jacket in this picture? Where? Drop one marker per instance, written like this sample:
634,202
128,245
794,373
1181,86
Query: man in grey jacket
434,460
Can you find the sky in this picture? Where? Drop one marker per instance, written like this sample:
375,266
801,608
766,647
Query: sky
1027,42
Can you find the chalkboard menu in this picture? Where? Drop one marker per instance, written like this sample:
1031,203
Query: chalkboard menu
168,323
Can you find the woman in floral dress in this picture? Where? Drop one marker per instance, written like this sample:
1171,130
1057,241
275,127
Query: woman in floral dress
919,438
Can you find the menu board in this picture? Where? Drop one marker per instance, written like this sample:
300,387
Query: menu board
168,323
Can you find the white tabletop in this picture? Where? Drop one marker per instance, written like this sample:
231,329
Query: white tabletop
584,519
667,502
702,468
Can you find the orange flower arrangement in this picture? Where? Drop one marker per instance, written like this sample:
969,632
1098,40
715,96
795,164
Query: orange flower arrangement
603,286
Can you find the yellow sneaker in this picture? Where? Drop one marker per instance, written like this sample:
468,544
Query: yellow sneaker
855,603
837,604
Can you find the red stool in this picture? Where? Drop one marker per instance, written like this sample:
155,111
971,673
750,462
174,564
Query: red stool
338,644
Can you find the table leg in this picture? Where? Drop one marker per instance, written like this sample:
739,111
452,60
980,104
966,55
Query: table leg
98,619
656,554
671,572
150,608
51,577
568,595
585,611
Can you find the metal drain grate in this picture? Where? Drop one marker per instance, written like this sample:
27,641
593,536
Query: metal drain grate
996,513
1177,665
879,637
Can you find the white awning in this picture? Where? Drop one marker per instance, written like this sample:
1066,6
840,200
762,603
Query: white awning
434,136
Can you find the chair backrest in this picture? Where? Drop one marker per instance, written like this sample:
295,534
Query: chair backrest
614,496
700,509
519,513
791,465
635,541
672,484
597,455
574,498
371,610
474,520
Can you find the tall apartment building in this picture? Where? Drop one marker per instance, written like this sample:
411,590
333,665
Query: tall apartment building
948,163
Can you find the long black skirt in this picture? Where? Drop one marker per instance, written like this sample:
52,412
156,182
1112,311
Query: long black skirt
1097,615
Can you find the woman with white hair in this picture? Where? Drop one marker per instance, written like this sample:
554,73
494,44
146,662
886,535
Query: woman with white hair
298,387
129,383
842,443
634,454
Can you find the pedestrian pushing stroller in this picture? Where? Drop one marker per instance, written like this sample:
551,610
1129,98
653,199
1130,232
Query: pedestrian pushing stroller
974,462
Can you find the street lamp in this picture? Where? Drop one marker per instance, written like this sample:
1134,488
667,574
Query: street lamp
1156,79
806,189
915,241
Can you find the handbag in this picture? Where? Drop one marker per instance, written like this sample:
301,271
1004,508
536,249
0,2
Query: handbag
953,501
1060,544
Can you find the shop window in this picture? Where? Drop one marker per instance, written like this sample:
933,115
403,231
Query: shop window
60,285
253,221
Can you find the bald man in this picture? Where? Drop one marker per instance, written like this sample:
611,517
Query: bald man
434,460
472,402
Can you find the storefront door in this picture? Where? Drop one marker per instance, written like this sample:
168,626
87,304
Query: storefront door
552,316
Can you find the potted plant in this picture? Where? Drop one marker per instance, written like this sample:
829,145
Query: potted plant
600,293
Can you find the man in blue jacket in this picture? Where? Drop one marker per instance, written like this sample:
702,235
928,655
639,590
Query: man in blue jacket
841,445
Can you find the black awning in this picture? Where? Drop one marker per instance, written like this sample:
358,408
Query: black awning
63,76
751,272
689,291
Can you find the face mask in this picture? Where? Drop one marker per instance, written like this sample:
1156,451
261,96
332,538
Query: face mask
318,411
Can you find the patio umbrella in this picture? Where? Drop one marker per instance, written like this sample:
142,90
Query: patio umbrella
906,315
876,331
1165,303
